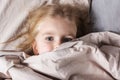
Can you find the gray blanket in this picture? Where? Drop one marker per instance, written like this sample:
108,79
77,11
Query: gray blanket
91,57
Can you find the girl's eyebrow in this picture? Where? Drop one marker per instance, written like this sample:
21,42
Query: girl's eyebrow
72,35
51,33
48,33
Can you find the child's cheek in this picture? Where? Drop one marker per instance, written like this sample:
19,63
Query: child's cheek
44,48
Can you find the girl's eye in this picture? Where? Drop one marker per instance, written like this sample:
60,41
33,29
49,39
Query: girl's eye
49,38
67,39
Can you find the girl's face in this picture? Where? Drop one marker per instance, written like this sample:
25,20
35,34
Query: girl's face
52,32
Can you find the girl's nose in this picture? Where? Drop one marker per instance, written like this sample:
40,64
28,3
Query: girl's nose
57,44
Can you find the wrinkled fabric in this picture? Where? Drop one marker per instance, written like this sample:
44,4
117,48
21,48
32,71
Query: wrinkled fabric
91,57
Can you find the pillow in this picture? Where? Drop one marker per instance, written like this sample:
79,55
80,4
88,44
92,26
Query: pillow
105,15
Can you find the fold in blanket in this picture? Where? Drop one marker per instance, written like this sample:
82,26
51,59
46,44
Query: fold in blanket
95,56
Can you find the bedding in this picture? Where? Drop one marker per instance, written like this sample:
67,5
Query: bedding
105,15
92,57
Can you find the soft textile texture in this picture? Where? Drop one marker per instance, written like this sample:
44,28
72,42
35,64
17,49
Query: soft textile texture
105,15
92,57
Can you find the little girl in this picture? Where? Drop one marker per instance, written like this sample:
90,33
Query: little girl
51,25
46,28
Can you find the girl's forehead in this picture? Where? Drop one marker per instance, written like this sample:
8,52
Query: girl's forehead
54,20
56,24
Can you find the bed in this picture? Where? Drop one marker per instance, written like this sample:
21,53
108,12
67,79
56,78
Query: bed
94,56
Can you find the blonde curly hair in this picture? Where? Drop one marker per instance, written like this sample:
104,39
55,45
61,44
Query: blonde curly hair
70,12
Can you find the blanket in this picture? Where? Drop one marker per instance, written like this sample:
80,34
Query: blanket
95,56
